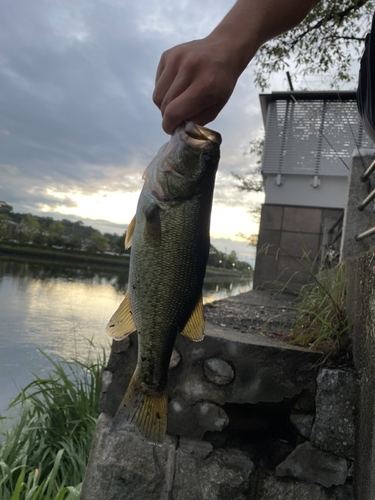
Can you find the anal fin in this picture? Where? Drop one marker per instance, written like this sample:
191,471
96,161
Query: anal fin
194,328
121,323
146,410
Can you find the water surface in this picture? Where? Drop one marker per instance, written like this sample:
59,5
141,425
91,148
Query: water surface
57,309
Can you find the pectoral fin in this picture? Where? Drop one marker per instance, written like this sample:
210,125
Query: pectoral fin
194,328
129,234
153,226
121,323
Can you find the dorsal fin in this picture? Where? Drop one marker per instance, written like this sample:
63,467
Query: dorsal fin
121,323
194,328
129,234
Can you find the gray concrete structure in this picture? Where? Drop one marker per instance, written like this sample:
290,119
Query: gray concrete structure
232,399
361,311
356,221
310,137
289,244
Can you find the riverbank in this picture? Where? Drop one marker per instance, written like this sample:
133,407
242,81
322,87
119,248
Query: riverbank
43,254
71,257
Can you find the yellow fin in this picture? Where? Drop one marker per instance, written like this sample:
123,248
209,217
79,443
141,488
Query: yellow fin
147,411
194,328
121,323
129,234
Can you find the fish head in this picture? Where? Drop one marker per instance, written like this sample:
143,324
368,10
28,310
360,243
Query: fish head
181,165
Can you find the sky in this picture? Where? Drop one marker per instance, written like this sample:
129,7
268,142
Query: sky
77,123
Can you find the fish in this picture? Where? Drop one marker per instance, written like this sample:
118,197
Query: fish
170,242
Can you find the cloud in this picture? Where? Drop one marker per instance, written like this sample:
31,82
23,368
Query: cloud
76,114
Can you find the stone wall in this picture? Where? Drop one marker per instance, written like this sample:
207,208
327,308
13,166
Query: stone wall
249,418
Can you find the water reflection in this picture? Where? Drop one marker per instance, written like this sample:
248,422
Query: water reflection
56,309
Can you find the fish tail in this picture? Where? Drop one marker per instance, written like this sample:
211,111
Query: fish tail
146,410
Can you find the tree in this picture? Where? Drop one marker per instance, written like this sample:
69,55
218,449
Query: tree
29,228
55,233
328,41
97,242
4,229
253,181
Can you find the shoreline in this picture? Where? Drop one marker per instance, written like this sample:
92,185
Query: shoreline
54,255
57,256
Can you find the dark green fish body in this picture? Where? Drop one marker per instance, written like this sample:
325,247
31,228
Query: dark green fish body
170,245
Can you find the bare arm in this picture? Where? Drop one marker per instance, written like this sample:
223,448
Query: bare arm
195,80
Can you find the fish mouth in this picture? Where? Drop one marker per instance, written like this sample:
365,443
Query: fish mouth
199,136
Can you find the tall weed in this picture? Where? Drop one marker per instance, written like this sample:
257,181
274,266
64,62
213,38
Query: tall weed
43,455
322,322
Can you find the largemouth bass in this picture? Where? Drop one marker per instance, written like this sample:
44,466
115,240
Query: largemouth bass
170,243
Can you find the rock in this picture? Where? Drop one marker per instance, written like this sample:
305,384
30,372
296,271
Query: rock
121,345
218,371
221,475
305,402
336,403
195,420
343,492
124,467
276,489
303,422
106,380
175,359
193,387
314,466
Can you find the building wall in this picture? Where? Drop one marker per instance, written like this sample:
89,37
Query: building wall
287,235
298,190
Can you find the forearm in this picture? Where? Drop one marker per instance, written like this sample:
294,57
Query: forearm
251,23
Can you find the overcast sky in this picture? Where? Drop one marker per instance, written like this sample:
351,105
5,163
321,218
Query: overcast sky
77,122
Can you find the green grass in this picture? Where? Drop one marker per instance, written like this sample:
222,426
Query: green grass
322,322
43,454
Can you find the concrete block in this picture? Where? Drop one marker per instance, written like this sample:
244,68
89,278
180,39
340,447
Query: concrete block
268,241
272,216
265,269
356,222
360,303
298,244
302,219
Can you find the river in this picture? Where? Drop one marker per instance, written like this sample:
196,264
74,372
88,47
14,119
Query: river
59,309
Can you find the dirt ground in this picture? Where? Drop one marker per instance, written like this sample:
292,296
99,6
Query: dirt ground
254,312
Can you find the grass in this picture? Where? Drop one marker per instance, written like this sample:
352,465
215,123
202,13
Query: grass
43,455
321,321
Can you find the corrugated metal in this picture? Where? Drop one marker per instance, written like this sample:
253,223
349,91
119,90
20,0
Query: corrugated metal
312,137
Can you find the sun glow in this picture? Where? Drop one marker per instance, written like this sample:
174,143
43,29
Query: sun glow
114,206
228,222
119,207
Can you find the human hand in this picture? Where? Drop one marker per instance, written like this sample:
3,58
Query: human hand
194,82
